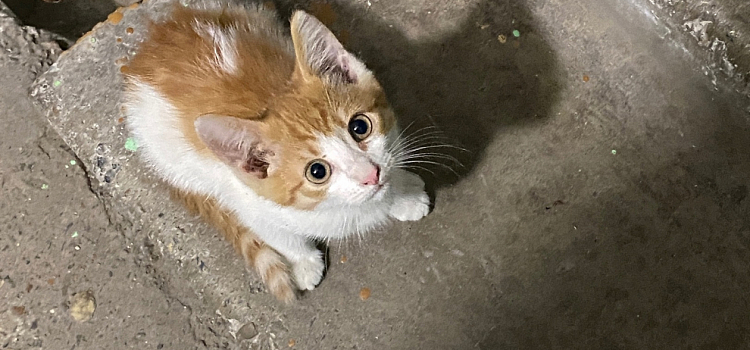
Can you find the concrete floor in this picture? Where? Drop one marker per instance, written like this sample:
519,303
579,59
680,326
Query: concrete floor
603,203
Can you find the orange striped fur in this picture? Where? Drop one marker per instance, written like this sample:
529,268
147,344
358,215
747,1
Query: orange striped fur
268,264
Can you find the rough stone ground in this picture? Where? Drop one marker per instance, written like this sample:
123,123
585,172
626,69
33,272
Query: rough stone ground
603,205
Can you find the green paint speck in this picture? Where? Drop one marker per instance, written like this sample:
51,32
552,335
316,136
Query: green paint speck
516,33
73,162
74,235
93,40
56,83
45,186
614,151
131,145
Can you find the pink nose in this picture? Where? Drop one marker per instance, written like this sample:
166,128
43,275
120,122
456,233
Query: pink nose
374,176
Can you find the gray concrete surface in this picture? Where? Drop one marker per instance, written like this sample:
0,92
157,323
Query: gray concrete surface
603,203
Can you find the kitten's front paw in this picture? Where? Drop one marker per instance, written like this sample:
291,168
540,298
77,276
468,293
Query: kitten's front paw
411,207
309,271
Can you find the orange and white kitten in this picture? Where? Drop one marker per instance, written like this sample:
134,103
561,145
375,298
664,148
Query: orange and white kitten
278,140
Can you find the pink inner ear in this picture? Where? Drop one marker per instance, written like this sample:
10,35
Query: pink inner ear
237,142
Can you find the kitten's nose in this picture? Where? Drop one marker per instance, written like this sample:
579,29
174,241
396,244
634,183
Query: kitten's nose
373,177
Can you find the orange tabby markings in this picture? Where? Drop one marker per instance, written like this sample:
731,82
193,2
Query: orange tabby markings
268,264
277,141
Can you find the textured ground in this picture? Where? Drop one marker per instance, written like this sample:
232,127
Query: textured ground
603,205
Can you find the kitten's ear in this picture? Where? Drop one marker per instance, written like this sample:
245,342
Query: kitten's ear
240,143
320,53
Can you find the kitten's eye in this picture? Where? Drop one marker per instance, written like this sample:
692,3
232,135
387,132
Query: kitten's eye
360,127
318,171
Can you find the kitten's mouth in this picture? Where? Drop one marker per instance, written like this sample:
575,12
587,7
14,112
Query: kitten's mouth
378,191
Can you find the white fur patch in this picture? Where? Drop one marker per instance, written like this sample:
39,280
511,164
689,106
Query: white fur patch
223,41
348,164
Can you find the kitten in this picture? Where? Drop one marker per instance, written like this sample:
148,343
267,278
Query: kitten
277,140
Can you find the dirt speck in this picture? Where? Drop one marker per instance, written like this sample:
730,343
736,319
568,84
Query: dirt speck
18,310
364,293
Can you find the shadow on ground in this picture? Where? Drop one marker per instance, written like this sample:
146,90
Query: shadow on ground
466,83
69,18
660,262
647,248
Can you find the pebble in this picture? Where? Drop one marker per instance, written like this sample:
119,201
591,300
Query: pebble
364,293
247,331
82,306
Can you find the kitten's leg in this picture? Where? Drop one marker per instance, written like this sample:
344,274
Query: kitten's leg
268,263
306,260
410,201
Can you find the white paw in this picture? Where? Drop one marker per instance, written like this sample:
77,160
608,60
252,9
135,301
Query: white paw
411,203
309,271
411,207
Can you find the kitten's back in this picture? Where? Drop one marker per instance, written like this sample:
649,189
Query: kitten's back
226,61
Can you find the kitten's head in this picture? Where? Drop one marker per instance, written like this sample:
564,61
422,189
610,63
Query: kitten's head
323,143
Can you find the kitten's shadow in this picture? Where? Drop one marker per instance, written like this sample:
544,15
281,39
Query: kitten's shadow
468,84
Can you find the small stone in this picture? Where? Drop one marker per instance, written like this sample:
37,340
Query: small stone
247,331
291,343
585,78
82,306
343,259
502,38
77,247
364,293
